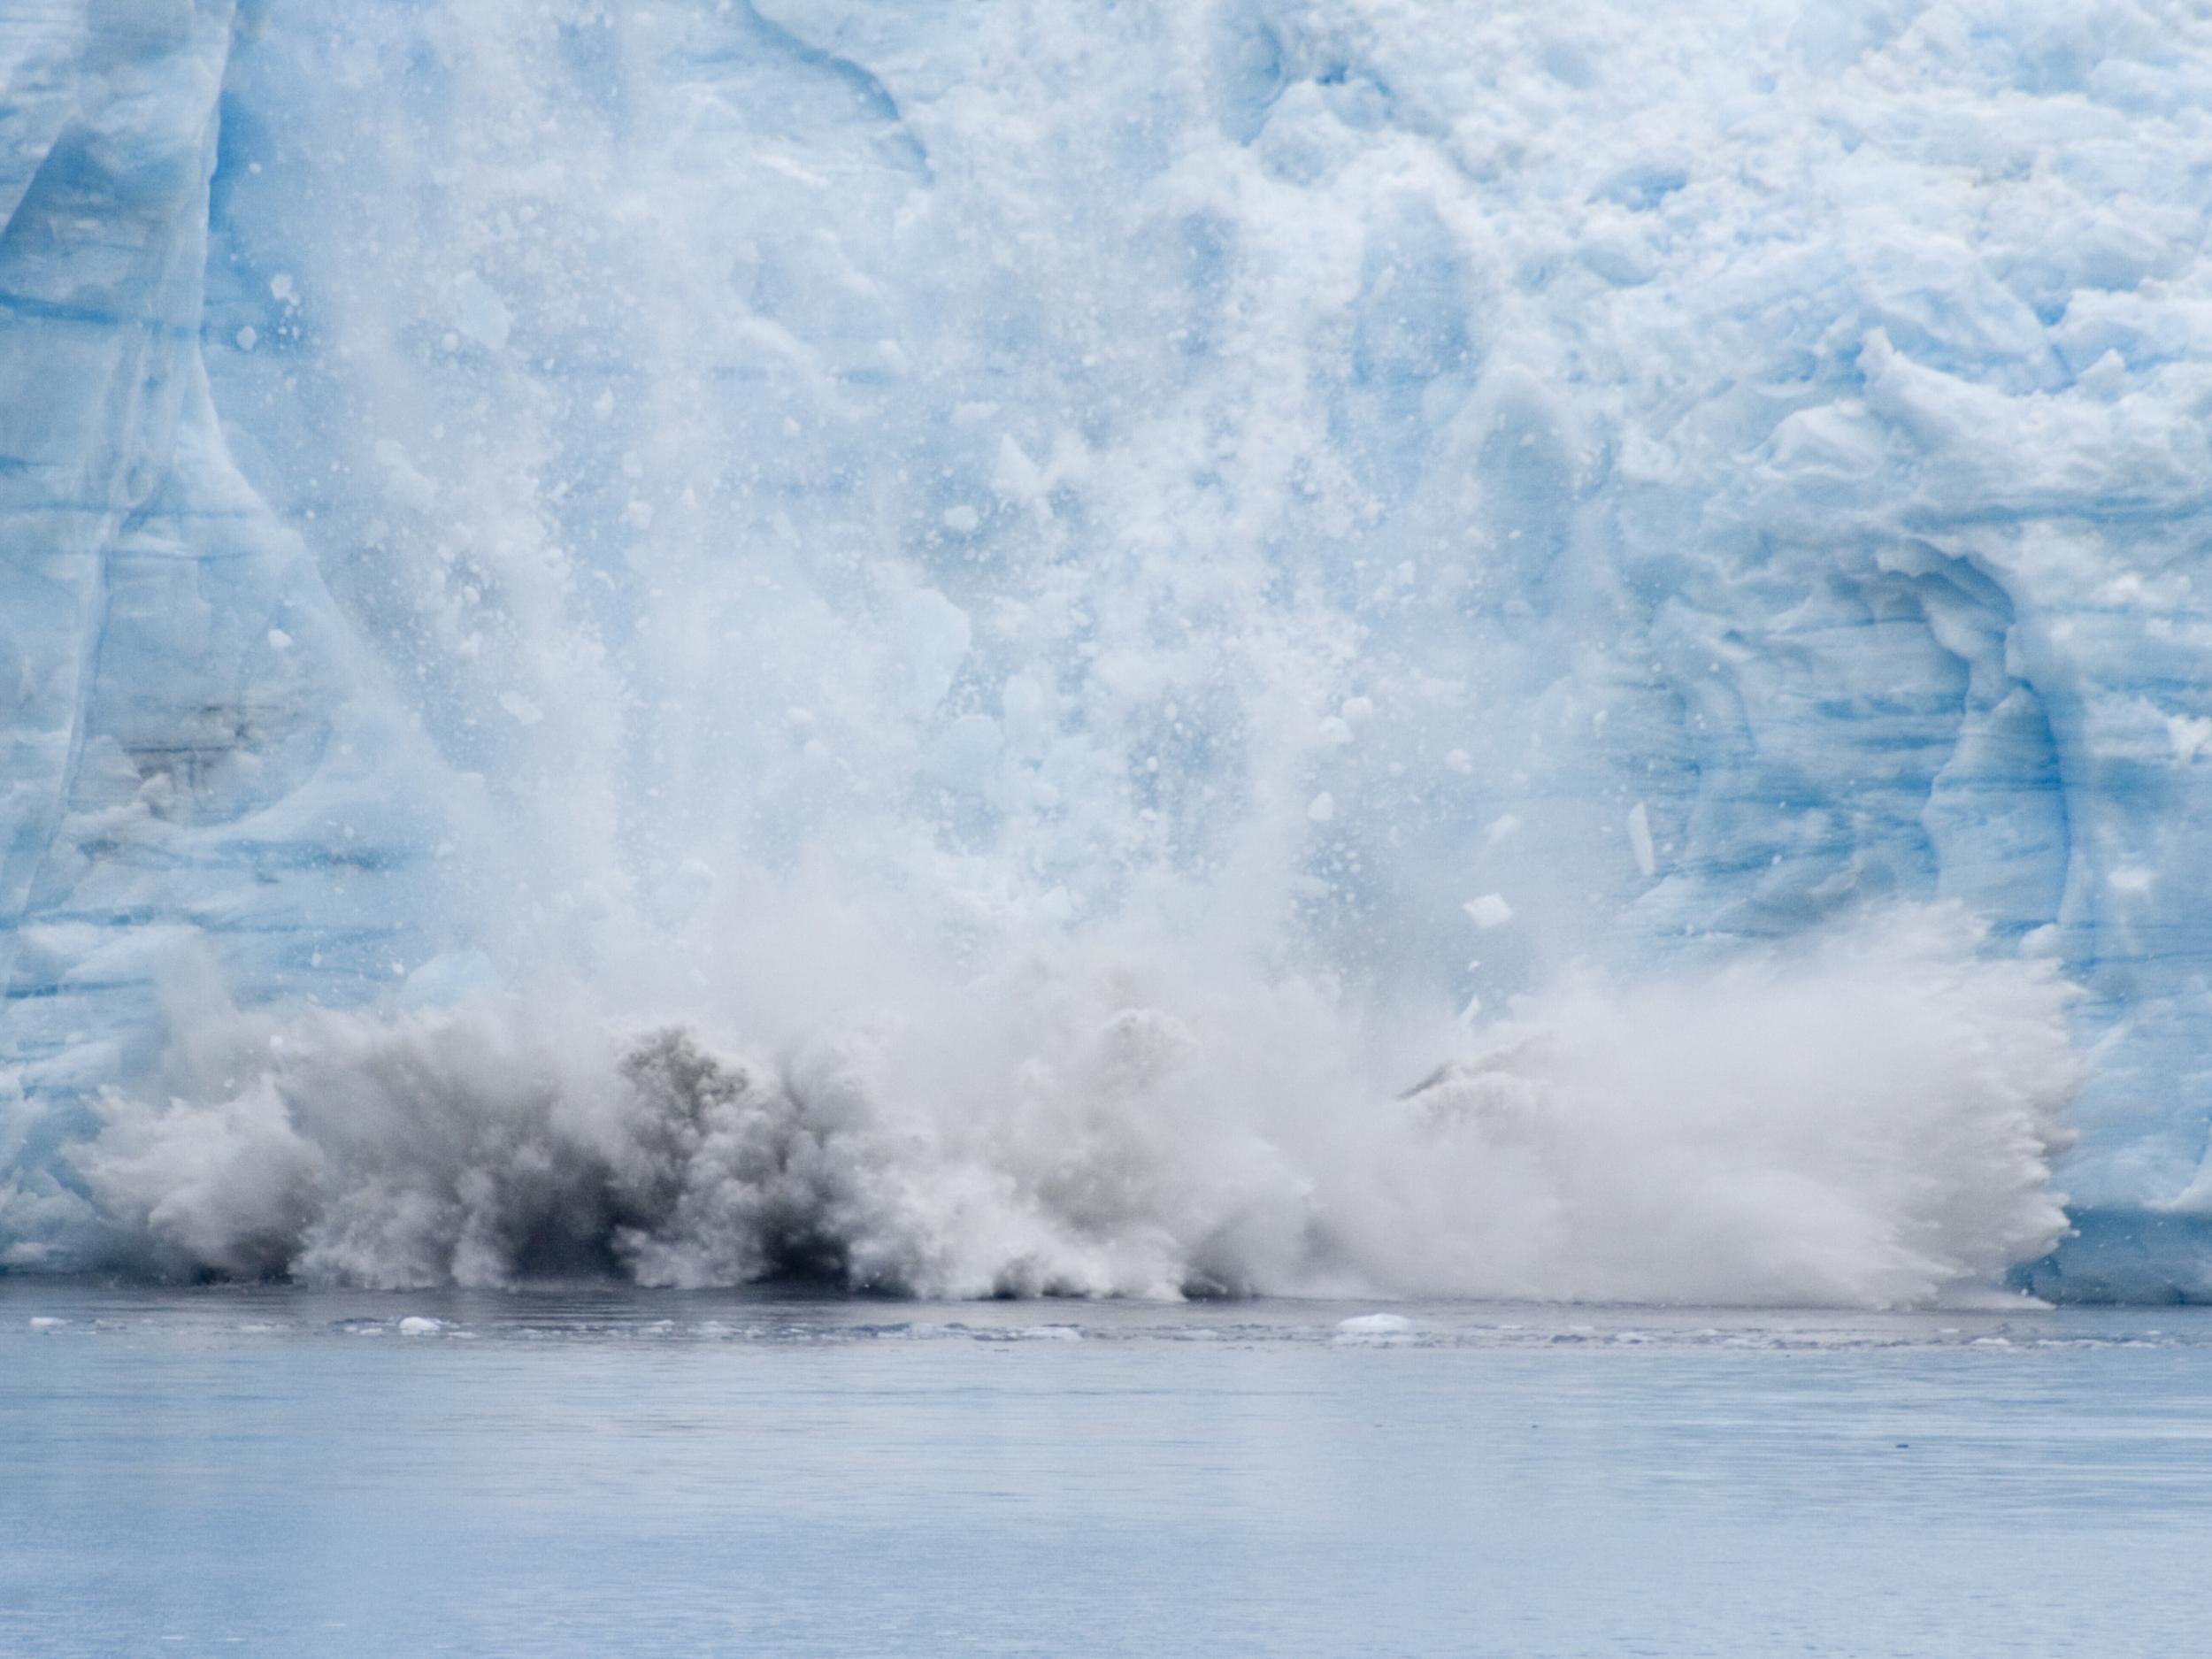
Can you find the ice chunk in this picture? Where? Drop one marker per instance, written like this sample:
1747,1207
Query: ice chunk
936,636
1489,911
1375,1329
480,314
1640,838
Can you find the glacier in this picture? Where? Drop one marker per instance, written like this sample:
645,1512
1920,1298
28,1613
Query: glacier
1324,536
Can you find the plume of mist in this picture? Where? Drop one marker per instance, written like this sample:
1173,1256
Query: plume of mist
1868,1120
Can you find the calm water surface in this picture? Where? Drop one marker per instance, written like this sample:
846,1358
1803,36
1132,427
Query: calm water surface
591,1473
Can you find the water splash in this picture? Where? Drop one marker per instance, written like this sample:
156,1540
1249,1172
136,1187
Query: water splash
1867,1123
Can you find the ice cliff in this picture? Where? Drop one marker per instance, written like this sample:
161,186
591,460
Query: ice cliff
193,746
1405,497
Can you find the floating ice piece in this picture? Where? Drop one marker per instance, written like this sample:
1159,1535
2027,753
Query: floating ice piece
1376,1325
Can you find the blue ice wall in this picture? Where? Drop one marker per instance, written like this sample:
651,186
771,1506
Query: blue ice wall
1694,479
193,747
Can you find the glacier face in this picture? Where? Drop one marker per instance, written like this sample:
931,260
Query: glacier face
1309,474
195,749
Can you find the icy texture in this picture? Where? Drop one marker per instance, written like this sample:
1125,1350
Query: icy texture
192,745
1378,501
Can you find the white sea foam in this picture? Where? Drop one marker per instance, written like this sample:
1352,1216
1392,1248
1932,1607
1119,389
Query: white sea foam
1866,1121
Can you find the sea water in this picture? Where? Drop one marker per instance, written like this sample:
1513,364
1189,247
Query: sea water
595,1471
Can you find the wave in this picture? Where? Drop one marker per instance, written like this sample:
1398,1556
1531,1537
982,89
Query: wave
1867,1120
